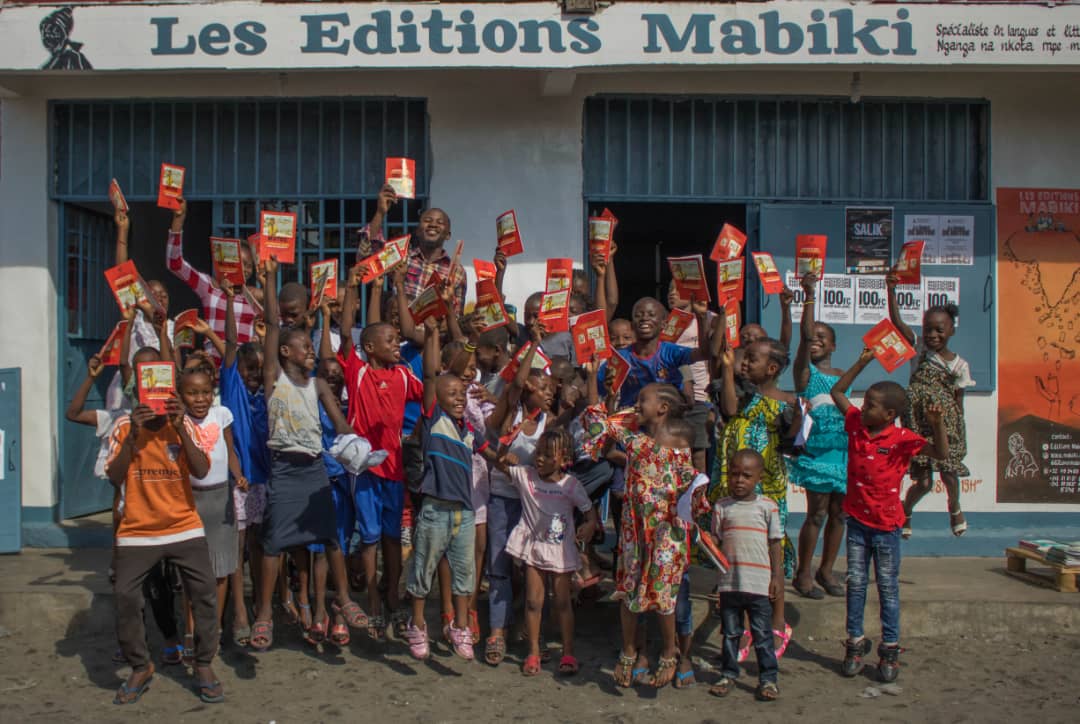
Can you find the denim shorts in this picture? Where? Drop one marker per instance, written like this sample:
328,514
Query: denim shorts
448,529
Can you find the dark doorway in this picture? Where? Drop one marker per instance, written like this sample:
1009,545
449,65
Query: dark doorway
649,233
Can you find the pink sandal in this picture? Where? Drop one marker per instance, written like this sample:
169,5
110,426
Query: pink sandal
785,639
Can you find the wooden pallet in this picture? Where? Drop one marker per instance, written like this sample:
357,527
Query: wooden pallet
1058,577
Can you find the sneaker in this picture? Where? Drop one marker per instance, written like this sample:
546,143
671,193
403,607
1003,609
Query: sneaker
853,656
461,638
417,639
888,662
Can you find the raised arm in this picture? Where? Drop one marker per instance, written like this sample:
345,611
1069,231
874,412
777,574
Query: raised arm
75,411
801,368
703,353
271,365
375,303
786,298
431,361
600,268
201,327
387,198
229,357
348,310
891,280
326,346
729,401
406,325
500,270
611,283
848,378
448,293
200,283
123,226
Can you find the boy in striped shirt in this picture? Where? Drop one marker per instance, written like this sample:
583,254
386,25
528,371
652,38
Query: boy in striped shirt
748,528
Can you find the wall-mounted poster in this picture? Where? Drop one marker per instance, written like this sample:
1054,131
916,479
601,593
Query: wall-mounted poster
868,240
1039,366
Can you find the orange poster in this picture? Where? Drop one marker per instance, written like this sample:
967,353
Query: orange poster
1038,375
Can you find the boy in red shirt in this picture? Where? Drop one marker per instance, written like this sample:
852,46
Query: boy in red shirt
879,452
378,386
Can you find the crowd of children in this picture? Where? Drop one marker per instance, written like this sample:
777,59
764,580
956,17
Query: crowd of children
463,457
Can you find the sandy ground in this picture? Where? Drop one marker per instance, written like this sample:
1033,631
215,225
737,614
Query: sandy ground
1015,676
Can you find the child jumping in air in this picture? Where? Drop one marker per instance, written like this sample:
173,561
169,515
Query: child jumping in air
822,468
544,540
939,377
747,525
879,453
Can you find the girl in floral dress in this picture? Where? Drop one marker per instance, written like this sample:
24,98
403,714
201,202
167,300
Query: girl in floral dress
759,419
654,543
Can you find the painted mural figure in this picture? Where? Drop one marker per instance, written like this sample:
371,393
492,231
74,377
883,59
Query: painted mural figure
55,36
1022,464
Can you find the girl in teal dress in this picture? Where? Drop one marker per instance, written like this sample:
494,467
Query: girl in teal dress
822,468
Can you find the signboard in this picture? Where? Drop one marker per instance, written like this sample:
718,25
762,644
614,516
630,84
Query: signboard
268,36
1038,366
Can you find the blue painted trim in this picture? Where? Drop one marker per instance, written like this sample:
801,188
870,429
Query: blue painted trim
37,514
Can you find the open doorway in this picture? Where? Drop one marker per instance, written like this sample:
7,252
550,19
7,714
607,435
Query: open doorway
649,233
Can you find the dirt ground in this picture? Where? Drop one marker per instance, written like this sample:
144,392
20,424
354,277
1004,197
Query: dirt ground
1015,676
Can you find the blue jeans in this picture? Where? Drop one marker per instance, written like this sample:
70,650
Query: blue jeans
684,612
864,543
503,514
443,528
733,605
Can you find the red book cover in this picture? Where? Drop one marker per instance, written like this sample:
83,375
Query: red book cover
591,336
732,322
677,322
626,419
489,305
324,281
506,229
771,281
225,260
730,279
170,186
129,287
157,383
428,303
255,245
484,269
555,311
600,231
689,275
540,362
909,265
560,274
394,252
401,176
712,550
890,347
619,369
729,244
183,335
116,196
278,232
810,254
110,351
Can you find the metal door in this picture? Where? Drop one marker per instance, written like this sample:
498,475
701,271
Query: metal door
10,461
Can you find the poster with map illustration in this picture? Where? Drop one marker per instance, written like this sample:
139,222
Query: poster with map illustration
1038,369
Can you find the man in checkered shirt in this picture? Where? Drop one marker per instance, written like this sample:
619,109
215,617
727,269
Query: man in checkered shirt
211,296
426,253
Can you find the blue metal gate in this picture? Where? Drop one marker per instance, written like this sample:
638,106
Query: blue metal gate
321,158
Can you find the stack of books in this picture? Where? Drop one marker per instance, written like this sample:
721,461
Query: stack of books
1039,545
1064,554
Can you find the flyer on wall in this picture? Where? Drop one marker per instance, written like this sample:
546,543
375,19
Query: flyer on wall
867,239
1038,373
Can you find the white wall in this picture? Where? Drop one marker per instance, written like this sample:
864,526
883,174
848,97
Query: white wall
498,144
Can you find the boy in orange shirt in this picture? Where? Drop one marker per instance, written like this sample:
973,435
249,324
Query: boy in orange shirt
151,459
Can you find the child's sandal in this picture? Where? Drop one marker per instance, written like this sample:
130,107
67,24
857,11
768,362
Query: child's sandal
624,671
376,628
170,655
785,639
665,671
317,633
353,614
568,666
905,530
958,529
495,650
339,635
262,635
531,667
767,691
722,688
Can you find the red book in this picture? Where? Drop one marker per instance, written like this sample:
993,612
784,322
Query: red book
116,196
730,279
555,311
455,261
677,322
484,269
393,253
401,176
712,550
183,335
129,288
540,361
255,245
890,347
489,305
729,244
689,275
591,336
277,230
157,383
810,254
732,322
429,303
560,275
626,419
771,281
110,351
170,186
508,439
619,369
909,265
506,229
600,232
324,282
225,260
